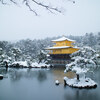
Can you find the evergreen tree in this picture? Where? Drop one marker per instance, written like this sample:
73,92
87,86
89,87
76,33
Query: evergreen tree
83,60
85,40
91,40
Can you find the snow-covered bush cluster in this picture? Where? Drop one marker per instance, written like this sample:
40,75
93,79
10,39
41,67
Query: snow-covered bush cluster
4,57
33,50
24,50
83,60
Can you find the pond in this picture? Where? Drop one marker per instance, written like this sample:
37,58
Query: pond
39,84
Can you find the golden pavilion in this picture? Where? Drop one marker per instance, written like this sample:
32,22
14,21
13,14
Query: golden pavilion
61,50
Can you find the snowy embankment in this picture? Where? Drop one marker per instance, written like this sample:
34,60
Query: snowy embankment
82,83
25,65
40,65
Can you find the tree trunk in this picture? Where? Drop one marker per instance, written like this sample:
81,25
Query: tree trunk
6,65
77,76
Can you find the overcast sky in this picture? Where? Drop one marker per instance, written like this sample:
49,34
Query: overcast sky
19,23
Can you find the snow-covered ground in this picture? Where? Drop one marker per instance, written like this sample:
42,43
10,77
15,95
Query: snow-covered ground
33,65
82,83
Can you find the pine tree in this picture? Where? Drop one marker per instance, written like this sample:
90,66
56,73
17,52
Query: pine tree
83,60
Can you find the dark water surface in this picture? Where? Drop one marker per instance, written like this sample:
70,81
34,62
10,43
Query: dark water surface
39,84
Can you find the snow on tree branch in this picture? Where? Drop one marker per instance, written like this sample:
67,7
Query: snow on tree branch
2,1
47,6
84,60
30,4
31,8
13,1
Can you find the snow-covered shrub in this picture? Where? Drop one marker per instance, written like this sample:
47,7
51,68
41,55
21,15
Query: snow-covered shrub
3,58
41,57
83,60
16,54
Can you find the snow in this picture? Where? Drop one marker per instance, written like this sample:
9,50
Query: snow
1,75
0,49
89,48
57,82
84,82
23,63
79,70
76,47
91,61
58,47
83,61
61,47
65,71
48,55
34,64
97,55
62,39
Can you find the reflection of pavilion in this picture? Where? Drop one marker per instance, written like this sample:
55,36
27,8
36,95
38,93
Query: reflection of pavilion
59,74
60,52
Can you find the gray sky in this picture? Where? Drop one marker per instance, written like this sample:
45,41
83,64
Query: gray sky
19,23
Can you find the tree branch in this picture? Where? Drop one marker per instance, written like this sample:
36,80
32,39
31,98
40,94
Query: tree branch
49,8
3,2
31,8
13,1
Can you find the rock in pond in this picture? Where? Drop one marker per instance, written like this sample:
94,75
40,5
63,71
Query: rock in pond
1,76
82,83
57,82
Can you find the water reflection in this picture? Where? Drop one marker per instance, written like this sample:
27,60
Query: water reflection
84,94
59,74
3,71
39,84
17,74
42,76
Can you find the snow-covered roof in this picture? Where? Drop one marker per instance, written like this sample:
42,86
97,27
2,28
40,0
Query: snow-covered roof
60,47
63,39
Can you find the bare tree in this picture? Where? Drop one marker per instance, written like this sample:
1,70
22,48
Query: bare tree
40,3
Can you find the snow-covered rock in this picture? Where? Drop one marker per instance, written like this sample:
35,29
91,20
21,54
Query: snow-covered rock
1,76
82,83
57,82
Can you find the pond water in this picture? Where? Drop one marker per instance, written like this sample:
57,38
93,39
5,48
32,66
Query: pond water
39,84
